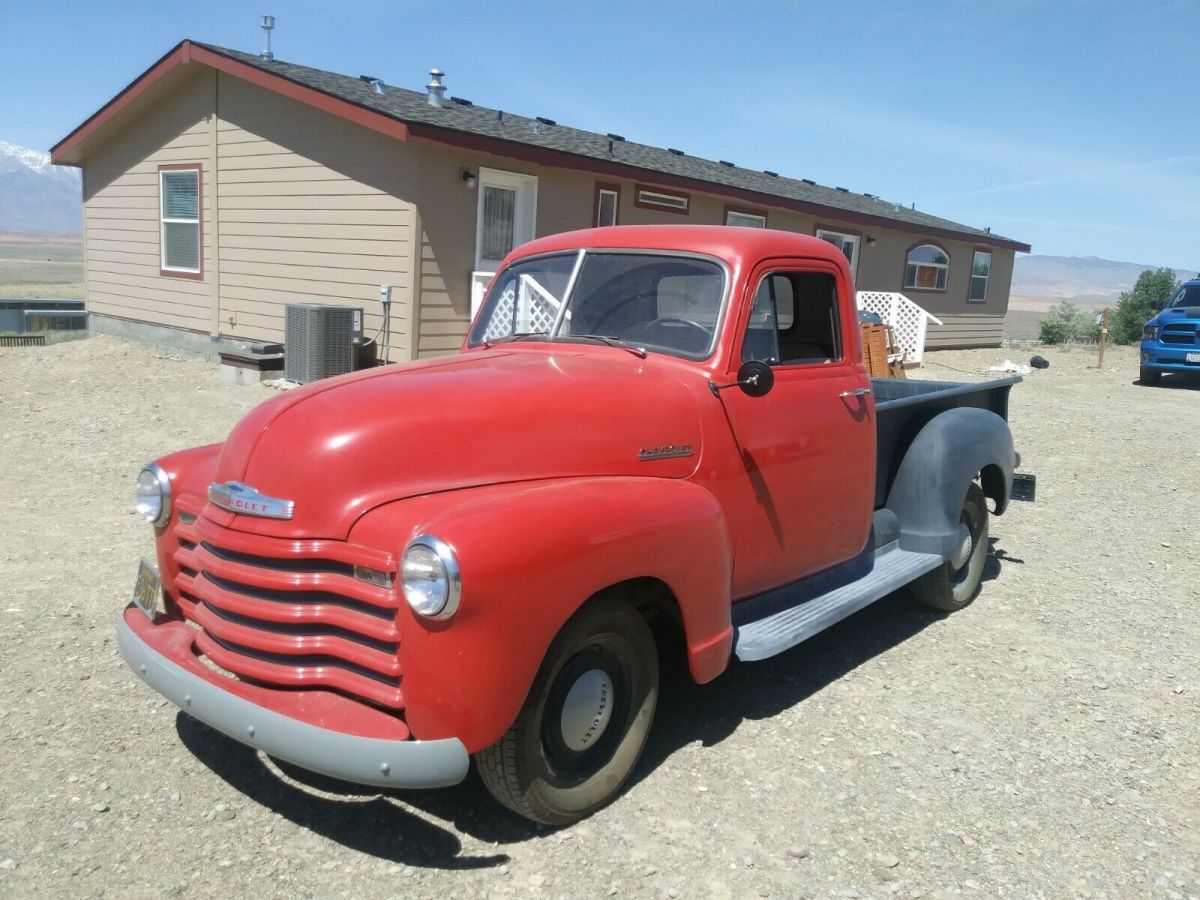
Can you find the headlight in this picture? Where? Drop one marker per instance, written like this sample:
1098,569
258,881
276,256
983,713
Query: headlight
430,578
154,494
1150,333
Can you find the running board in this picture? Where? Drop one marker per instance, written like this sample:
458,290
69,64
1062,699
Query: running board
783,629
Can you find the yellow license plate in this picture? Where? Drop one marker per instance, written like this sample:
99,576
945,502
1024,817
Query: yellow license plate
147,589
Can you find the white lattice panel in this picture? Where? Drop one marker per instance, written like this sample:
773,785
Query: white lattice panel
908,321
528,311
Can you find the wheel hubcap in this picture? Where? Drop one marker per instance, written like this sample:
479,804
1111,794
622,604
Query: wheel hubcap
965,545
587,709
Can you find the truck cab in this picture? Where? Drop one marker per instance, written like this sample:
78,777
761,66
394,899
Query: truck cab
654,439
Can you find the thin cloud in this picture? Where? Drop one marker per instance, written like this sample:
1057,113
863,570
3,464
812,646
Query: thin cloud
1104,175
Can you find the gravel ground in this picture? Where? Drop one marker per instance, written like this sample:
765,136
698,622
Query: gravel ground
1043,742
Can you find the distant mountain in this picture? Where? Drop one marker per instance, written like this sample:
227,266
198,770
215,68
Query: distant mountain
1086,278
36,196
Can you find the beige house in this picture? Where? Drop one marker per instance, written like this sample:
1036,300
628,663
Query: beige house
220,186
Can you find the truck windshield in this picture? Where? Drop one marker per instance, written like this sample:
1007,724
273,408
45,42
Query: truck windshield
1187,297
669,304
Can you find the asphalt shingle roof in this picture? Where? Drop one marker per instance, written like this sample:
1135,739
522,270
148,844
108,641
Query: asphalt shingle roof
413,107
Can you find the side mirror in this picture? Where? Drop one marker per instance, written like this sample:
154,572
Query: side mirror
755,378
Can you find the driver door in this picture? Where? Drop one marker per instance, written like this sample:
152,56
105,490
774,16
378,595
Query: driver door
808,446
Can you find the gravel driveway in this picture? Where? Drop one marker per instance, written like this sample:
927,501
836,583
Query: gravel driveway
1043,742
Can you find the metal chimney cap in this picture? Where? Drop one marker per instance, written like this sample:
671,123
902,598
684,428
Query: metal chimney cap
267,24
437,90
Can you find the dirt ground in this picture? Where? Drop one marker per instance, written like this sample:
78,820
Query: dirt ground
1044,742
39,267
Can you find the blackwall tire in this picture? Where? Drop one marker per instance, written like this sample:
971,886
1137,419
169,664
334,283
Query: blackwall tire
585,722
950,587
1149,377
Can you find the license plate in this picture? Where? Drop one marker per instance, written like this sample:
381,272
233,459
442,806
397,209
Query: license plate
147,589
1193,357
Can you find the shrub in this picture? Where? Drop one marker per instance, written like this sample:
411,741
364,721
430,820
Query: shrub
1134,308
1066,322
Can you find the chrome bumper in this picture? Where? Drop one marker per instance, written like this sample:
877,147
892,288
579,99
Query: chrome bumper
362,760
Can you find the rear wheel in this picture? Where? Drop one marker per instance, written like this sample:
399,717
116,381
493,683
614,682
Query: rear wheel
585,722
1149,377
954,583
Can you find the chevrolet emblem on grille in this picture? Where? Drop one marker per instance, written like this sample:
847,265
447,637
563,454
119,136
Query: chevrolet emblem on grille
245,500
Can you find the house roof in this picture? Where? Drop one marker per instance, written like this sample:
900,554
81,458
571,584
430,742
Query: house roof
407,115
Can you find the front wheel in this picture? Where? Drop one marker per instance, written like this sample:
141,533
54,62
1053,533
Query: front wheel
1149,377
954,583
585,721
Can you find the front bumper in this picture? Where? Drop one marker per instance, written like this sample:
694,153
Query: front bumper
160,654
1168,357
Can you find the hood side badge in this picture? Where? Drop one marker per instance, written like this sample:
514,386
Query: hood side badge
670,451
247,501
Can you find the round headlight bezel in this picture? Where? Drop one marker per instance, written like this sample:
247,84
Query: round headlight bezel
159,474
448,559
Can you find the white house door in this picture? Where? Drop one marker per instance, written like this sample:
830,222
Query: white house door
505,218
847,243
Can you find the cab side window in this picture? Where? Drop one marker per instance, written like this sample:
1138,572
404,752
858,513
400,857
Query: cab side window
794,320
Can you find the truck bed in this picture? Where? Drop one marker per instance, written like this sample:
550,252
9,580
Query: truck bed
902,408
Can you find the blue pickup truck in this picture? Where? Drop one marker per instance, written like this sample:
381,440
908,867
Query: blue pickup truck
1171,340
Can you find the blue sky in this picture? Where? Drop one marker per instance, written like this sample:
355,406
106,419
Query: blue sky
1073,126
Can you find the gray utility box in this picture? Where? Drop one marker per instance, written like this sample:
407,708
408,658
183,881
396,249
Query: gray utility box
319,340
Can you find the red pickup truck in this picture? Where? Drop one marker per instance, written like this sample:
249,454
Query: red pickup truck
655,439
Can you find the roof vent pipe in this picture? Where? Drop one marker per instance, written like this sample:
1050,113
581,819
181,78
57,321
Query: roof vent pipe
267,25
437,90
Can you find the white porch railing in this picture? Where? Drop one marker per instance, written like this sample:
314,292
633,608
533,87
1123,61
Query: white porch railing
526,308
479,286
909,322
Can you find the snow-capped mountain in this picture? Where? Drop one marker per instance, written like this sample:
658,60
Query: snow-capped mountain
35,195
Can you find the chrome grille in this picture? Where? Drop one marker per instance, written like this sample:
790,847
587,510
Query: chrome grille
290,613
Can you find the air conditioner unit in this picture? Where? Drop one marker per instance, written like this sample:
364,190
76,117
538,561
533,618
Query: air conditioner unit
319,340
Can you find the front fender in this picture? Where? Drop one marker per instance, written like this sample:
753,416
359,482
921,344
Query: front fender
190,473
530,555
931,484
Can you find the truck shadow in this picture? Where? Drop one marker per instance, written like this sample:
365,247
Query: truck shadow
383,825
1175,381
348,814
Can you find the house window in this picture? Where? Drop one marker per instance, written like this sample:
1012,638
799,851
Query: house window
926,268
496,227
179,194
653,198
747,218
981,269
608,199
847,243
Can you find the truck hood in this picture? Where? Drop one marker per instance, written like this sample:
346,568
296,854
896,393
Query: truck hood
341,447
1175,314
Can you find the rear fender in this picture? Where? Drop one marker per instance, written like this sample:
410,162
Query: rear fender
931,484
530,555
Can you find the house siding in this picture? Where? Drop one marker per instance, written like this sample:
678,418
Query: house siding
299,207
121,212
312,210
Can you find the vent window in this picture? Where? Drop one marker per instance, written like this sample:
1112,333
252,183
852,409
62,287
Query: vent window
653,198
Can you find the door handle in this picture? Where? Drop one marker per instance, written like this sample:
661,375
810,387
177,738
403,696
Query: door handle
857,392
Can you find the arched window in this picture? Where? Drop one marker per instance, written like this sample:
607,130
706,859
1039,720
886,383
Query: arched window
927,268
